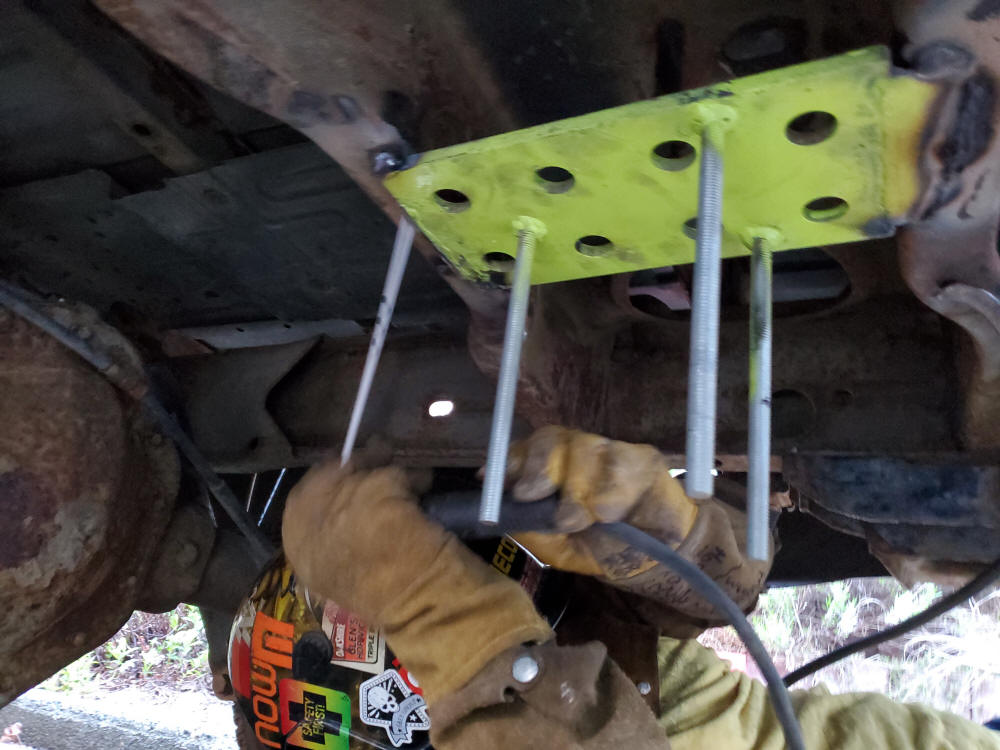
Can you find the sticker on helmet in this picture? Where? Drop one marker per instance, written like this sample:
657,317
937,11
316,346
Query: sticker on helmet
388,702
314,717
355,644
409,679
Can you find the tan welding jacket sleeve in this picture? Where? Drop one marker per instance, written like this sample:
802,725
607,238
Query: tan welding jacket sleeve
703,706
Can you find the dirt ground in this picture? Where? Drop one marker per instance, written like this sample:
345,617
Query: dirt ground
148,686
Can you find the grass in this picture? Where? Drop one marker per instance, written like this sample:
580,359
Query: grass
150,651
953,663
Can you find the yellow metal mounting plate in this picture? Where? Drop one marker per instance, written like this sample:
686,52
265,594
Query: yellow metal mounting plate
856,182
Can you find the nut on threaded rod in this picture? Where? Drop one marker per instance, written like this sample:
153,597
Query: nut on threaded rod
528,231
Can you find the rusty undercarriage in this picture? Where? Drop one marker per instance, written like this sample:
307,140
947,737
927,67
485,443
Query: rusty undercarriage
197,186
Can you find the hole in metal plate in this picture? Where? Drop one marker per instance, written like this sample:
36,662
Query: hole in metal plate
673,156
811,128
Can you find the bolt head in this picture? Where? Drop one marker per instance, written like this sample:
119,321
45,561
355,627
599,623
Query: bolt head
525,669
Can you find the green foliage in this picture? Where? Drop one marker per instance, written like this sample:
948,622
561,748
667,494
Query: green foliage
77,677
953,663
167,650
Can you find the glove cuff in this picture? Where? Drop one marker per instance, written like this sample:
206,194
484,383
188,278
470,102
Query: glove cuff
716,545
455,617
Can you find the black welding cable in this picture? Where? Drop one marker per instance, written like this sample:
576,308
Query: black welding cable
259,543
709,590
982,581
19,303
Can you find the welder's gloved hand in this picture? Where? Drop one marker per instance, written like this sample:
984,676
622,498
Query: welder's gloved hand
359,539
601,480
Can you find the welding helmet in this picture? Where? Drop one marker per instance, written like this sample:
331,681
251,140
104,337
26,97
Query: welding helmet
308,673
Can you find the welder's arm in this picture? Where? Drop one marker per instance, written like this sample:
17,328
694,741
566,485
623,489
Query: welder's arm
601,480
491,673
706,705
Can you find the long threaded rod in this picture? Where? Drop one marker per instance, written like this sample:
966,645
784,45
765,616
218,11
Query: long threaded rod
390,292
510,362
704,363
759,430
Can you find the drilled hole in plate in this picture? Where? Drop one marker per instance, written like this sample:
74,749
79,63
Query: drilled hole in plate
451,200
827,208
554,179
673,156
499,261
690,227
594,245
811,128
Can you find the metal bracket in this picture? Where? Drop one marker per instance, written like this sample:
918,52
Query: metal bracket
822,152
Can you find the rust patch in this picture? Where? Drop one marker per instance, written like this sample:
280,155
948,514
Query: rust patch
28,503
84,498
972,129
967,140
307,108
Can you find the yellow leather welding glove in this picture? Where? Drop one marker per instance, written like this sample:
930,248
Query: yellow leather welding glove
600,481
359,539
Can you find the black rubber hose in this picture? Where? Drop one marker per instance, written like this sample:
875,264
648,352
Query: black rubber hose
16,301
710,591
985,579
260,545
458,511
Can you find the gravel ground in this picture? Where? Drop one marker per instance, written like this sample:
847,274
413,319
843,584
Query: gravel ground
129,718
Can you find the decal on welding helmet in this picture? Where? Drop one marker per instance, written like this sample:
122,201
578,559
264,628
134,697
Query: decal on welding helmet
388,702
355,644
314,717
270,649
409,679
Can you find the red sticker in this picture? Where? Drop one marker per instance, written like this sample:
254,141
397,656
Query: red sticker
352,639
408,678
239,667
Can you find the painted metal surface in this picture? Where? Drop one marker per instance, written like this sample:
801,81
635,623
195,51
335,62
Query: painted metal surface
617,189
